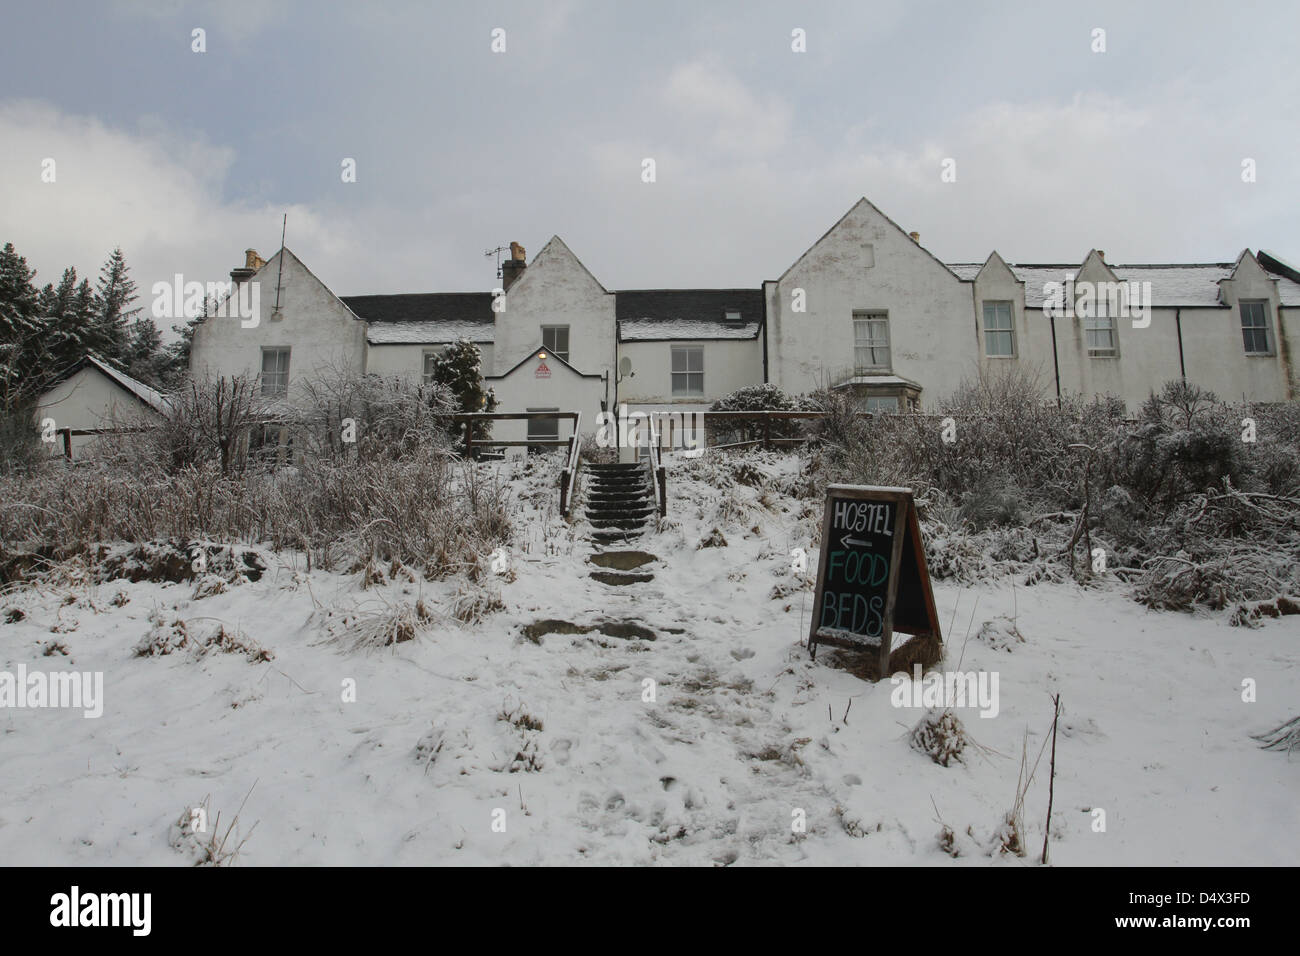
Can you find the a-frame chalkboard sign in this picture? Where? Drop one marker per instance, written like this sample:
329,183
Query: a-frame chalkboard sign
872,579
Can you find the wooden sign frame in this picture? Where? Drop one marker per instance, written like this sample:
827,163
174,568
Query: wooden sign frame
906,527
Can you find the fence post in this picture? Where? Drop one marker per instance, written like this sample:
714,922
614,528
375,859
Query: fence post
469,439
767,432
67,443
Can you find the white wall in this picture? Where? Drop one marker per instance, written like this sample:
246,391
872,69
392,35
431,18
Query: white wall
729,364
407,361
564,389
556,289
867,263
319,329
90,399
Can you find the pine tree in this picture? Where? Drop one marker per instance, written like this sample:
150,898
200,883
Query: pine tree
115,291
20,330
18,301
148,361
459,367
66,327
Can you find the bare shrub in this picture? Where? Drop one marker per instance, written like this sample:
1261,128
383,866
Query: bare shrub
424,511
940,736
369,628
1285,736
340,413
206,420
204,844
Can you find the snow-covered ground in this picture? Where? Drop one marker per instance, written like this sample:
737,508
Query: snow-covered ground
472,744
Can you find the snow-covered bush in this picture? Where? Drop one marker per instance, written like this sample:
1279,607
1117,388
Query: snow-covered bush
752,398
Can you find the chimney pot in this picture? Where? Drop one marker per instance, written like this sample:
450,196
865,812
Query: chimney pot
916,237
513,267
252,262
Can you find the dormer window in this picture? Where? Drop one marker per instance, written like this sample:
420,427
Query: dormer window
999,331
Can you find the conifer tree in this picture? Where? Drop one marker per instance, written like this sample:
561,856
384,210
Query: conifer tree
110,332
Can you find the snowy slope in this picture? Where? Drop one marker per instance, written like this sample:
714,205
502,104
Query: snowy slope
744,730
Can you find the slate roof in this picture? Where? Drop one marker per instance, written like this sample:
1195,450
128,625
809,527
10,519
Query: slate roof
424,317
1188,285
648,315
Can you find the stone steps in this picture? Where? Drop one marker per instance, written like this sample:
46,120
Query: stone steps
620,500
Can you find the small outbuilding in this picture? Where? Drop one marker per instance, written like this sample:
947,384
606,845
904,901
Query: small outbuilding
90,397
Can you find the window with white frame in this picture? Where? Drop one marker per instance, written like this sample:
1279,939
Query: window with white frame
688,370
555,339
275,372
999,334
1099,335
870,342
880,403
1254,328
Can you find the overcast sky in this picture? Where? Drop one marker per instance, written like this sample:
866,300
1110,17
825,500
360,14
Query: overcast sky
185,159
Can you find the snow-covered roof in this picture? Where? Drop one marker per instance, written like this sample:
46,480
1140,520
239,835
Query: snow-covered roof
150,396
649,330
424,318
647,315
437,332
1187,285
883,380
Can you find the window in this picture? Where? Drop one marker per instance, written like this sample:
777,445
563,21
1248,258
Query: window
732,317
1254,328
870,341
880,403
430,358
1099,332
269,442
688,370
555,339
999,338
275,372
543,429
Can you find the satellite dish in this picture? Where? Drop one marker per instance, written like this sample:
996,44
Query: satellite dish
624,367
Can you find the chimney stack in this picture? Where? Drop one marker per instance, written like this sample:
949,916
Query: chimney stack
252,262
916,237
513,267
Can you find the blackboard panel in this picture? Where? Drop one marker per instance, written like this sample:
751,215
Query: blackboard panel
872,578
857,567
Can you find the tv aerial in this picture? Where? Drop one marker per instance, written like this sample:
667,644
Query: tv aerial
497,252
